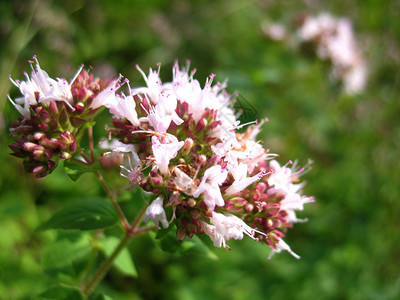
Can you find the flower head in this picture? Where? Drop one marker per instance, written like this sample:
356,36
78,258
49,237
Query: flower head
334,40
218,181
52,113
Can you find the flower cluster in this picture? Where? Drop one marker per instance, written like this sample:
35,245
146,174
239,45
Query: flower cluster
178,141
181,144
52,113
334,40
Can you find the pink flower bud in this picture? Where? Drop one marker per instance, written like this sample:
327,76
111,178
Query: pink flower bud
79,107
38,135
200,126
30,147
53,109
44,126
64,119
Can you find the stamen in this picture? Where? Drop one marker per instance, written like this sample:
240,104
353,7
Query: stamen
14,82
77,74
246,124
159,67
12,102
141,72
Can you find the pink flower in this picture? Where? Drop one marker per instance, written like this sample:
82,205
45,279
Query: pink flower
209,185
161,116
156,212
107,96
40,88
226,226
281,245
163,153
241,180
122,106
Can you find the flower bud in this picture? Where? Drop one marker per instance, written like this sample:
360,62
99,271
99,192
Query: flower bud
181,234
214,124
65,155
191,202
39,153
187,146
201,125
66,137
79,107
155,179
44,126
38,135
38,170
174,199
53,109
195,213
72,147
249,207
45,142
64,119
201,160
28,146
43,115
53,124
55,144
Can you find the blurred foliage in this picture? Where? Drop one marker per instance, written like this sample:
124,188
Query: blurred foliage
351,243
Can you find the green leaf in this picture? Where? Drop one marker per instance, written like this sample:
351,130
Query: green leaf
82,129
84,215
196,245
169,243
123,262
62,292
75,169
164,231
100,297
66,250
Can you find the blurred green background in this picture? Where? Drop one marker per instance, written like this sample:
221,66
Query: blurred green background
350,247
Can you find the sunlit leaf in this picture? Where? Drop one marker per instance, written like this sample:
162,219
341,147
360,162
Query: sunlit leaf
123,262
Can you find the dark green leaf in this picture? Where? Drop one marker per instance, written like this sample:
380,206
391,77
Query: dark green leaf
62,292
84,215
75,169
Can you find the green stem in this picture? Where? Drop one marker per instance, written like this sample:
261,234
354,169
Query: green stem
90,134
101,272
113,200
138,219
